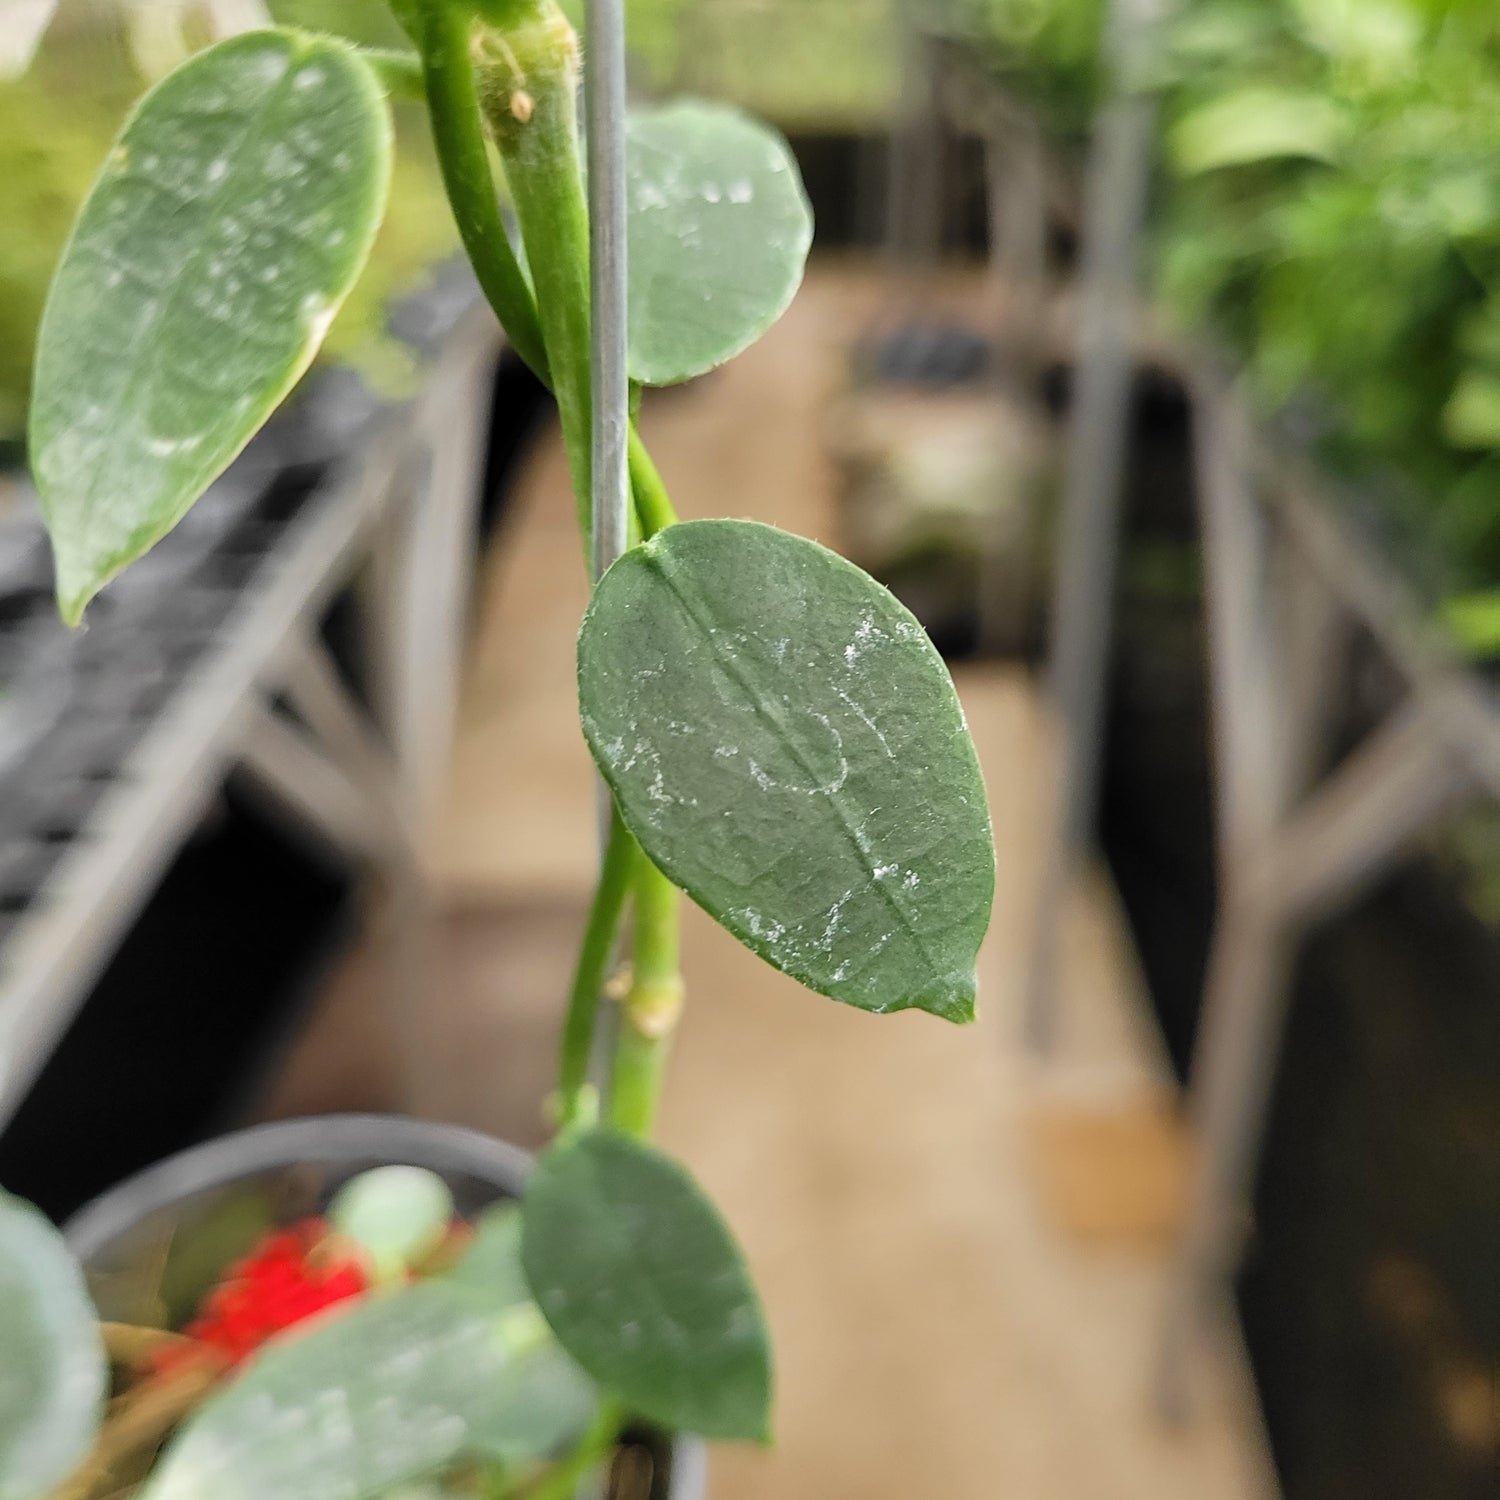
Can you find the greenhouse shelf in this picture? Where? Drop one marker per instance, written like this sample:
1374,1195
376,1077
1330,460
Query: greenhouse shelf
113,742
1289,579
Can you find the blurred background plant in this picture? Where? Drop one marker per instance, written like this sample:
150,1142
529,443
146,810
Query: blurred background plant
1045,52
1334,220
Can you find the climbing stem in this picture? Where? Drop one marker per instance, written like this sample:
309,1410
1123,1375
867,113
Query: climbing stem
400,73
652,1005
520,75
527,75
652,504
592,969
458,133
563,1480
447,73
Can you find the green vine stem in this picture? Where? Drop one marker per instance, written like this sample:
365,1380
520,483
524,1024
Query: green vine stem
445,71
400,73
615,880
528,89
652,505
520,78
594,1448
458,133
652,1006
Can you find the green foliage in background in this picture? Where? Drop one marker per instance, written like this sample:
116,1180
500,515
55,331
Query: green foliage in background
50,148
1045,52
805,65
1334,217
1329,213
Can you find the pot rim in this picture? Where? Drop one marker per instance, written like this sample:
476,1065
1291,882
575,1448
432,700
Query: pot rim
262,1148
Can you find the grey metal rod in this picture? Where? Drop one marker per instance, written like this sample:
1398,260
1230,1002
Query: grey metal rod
604,87
604,107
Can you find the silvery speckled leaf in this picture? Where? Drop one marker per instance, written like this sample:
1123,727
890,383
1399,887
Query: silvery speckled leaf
786,745
225,229
52,1367
719,230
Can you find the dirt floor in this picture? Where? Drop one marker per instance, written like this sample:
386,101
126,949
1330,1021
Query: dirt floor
962,1252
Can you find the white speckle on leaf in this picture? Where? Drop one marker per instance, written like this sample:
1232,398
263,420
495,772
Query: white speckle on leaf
759,927
912,881
742,191
218,169
833,924
867,721
159,447
318,313
862,636
761,779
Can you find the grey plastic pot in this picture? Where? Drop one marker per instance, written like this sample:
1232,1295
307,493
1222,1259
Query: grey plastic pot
215,1199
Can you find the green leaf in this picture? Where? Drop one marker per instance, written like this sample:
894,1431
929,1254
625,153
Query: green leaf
396,1214
398,1388
786,745
719,230
1471,418
541,1403
645,1287
228,224
1257,124
52,1367
492,1262
543,1400
1473,619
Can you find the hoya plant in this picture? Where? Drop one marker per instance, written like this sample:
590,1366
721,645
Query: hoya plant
780,741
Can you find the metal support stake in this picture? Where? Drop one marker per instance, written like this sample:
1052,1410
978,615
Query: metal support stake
605,85
1115,206
604,90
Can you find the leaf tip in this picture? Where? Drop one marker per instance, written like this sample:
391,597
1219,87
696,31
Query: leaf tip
76,582
72,600
764,1435
956,1001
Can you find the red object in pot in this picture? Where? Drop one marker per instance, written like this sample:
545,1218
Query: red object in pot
289,1276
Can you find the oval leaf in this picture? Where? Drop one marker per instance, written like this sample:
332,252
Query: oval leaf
229,222
397,1389
52,1368
544,1400
396,1214
1256,124
491,1263
786,745
719,231
645,1287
